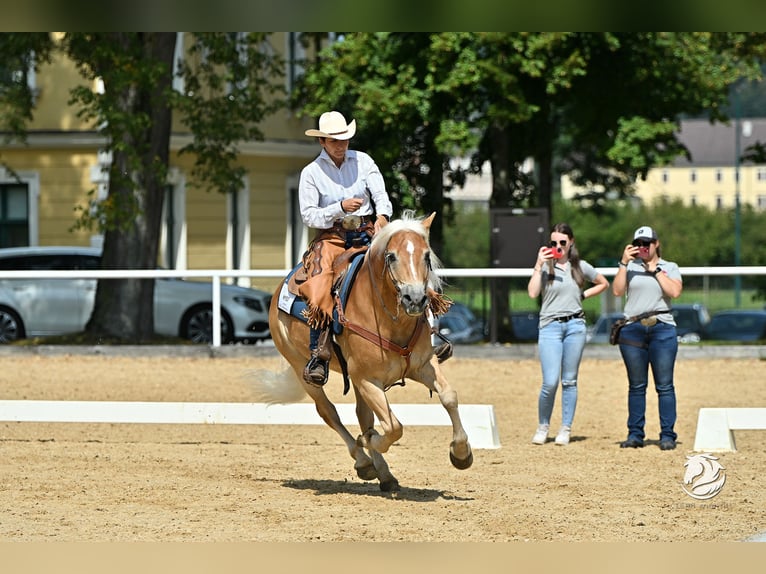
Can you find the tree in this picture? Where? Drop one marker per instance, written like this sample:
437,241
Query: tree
232,82
602,107
21,54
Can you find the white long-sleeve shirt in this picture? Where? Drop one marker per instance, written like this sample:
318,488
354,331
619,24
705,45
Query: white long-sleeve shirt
323,186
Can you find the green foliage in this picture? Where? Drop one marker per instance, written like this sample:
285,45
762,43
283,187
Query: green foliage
21,53
232,82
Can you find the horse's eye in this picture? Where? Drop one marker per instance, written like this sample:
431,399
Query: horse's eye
428,260
390,258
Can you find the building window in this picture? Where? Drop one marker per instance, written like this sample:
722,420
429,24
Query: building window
761,174
719,202
665,176
14,215
719,175
296,58
761,202
693,176
238,232
172,252
693,200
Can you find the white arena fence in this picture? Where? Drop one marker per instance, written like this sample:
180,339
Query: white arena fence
217,275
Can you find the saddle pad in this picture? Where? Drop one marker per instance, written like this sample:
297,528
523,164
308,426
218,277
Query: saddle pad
345,288
289,302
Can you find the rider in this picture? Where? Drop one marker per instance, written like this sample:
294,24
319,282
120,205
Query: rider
339,193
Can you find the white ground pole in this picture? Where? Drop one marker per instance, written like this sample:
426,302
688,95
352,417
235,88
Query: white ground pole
715,427
478,420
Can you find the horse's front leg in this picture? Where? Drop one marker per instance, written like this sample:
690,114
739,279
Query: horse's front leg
363,464
379,467
373,396
460,453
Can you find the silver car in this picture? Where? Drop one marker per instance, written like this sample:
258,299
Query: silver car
44,307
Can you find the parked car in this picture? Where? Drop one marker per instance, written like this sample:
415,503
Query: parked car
461,325
525,325
599,331
44,307
737,325
690,318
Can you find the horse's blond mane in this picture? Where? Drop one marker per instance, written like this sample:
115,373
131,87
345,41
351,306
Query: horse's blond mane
408,222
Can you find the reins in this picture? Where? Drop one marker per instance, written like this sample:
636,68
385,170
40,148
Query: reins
375,337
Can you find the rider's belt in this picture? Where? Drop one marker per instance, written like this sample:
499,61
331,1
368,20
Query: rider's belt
579,315
352,222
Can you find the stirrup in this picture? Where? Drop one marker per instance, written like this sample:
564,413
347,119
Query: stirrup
316,372
443,351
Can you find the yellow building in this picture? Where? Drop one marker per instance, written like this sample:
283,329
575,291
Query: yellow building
708,178
258,228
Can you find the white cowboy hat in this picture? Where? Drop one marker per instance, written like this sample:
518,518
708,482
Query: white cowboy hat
333,125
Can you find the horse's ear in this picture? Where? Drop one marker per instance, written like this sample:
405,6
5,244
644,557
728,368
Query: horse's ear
429,220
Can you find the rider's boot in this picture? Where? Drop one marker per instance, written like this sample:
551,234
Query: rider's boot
317,369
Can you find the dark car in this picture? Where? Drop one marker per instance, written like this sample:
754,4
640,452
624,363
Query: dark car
737,325
691,319
461,325
525,325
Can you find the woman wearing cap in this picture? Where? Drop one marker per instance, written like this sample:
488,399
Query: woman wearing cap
649,336
338,193
560,275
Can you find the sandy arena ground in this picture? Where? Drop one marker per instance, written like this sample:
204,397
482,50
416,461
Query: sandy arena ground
236,483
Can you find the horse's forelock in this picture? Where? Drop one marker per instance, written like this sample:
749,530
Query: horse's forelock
408,222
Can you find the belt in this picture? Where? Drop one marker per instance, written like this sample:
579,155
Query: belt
578,315
352,222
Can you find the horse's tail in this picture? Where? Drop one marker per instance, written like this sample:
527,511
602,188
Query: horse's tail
275,386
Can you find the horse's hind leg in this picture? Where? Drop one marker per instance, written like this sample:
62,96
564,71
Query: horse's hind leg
379,466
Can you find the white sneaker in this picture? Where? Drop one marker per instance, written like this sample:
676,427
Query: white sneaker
563,437
541,435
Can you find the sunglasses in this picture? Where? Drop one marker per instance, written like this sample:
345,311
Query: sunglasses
562,242
642,243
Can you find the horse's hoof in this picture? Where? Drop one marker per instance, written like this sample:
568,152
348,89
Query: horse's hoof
367,472
461,463
390,485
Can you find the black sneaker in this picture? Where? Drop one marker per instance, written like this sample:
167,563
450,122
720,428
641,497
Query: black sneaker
667,444
632,443
315,372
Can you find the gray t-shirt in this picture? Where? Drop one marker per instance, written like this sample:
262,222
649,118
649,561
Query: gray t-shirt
644,293
562,296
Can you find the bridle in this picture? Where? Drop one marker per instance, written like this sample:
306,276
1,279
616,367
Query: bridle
373,336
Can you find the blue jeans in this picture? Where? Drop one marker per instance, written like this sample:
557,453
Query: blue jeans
560,346
658,348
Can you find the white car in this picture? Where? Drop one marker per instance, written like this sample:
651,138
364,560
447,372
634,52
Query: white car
45,307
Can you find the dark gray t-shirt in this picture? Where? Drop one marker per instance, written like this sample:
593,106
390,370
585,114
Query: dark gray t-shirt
562,296
644,292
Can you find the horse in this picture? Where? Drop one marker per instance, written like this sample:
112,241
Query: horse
385,339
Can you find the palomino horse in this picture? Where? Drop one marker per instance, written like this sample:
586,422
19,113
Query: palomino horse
385,339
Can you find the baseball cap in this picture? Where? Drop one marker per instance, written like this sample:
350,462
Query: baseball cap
645,232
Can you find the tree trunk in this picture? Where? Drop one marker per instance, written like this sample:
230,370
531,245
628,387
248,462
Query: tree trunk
124,308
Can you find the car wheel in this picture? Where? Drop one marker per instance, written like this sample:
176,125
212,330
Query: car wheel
197,325
11,327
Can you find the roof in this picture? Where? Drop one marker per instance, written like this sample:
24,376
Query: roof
715,144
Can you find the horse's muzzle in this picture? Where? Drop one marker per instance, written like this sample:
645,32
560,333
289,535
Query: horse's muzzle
413,299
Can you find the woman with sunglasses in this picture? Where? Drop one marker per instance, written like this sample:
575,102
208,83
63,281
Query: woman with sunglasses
561,276
649,336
